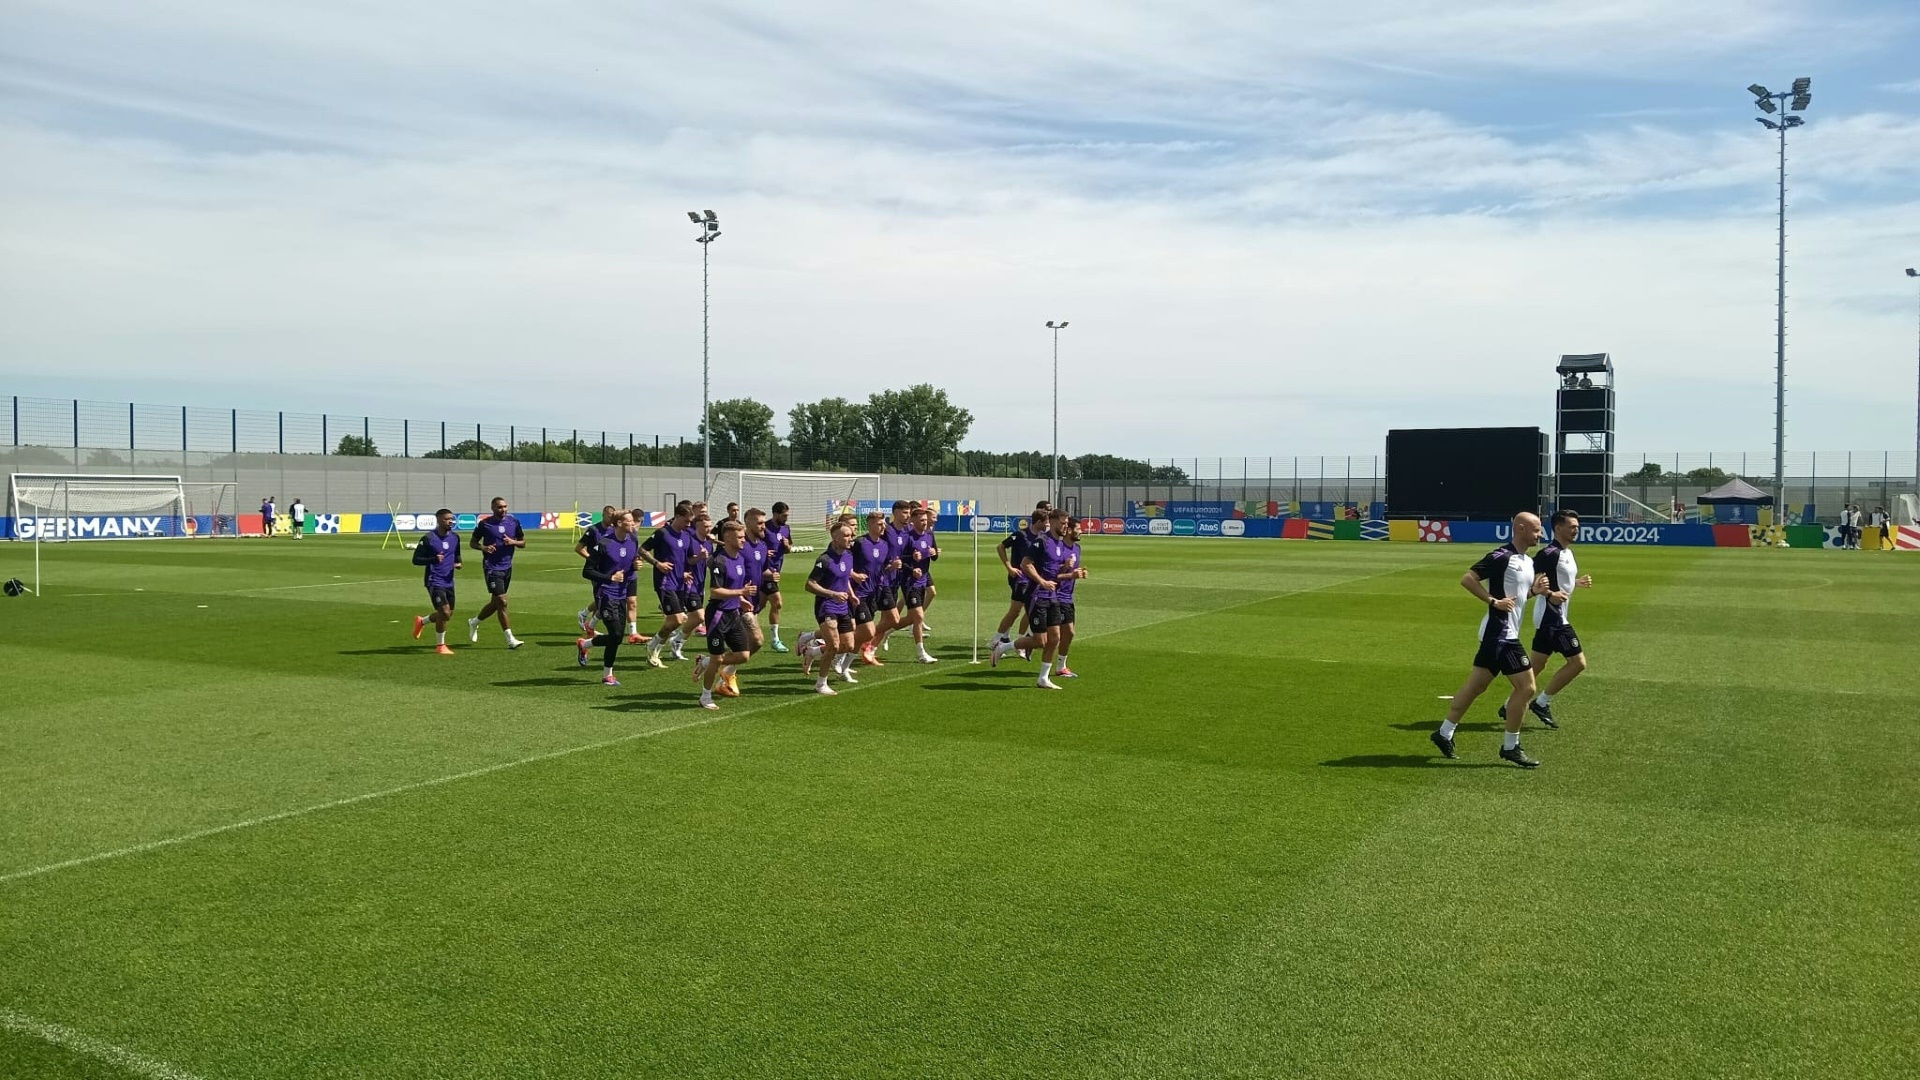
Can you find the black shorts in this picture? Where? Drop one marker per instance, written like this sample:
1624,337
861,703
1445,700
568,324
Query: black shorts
1021,588
694,601
863,609
498,581
1042,615
672,602
1502,657
1063,613
440,598
770,586
884,598
915,596
1556,639
727,631
611,611
841,623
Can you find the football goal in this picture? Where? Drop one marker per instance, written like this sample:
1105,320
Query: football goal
812,497
55,507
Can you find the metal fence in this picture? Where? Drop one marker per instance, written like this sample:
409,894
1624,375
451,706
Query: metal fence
277,451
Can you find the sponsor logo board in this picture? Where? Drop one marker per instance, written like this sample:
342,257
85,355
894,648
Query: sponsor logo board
1233,527
1161,526
1184,527
1208,528
1114,526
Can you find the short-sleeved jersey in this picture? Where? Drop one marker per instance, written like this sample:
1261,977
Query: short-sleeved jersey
1508,572
1557,563
610,555
442,554
1064,593
897,549
299,512
917,562
779,538
1015,545
870,556
496,532
699,561
670,548
833,571
729,572
1048,553
755,552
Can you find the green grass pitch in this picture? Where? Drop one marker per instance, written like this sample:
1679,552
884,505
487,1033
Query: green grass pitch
248,828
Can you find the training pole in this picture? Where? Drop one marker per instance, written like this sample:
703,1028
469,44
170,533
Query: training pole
975,529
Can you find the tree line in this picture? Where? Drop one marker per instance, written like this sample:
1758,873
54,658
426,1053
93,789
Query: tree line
916,430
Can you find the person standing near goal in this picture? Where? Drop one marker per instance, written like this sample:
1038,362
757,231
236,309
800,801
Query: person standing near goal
1502,580
779,544
266,517
1553,633
439,552
614,561
496,538
298,517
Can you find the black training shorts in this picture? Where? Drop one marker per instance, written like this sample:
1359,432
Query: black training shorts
863,609
915,596
1063,613
498,581
611,611
1041,615
1556,639
727,631
1021,587
884,598
673,602
1502,657
440,598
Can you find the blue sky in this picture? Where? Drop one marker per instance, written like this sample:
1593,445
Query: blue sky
1277,228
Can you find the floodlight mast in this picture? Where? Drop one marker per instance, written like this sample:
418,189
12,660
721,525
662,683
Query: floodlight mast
1788,103
709,232
1912,273
1053,493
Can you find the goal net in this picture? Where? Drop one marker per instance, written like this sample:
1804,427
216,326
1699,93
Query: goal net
813,498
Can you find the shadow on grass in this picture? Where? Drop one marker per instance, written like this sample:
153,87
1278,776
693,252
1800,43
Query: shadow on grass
690,698
390,650
1434,725
1407,761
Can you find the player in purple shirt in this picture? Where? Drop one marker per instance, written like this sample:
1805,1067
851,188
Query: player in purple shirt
667,551
729,642
496,538
590,539
699,565
439,552
831,584
757,548
889,615
1063,596
615,560
871,555
1013,552
1045,562
779,543
916,577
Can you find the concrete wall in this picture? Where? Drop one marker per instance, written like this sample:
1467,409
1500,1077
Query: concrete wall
332,484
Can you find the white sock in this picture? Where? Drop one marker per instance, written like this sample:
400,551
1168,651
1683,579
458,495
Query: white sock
726,671
1512,740
510,638
633,628
1447,728
775,627
1046,669
1063,660
706,696
441,637
679,639
1544,698
606,673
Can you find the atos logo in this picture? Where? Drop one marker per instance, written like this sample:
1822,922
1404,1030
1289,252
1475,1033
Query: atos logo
1113,526
1233,527
1208,528
1163,526
1184,527
1138,526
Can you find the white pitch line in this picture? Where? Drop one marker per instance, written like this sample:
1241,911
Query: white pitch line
418,785
80,1043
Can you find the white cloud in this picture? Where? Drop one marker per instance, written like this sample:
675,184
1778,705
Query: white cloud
468,210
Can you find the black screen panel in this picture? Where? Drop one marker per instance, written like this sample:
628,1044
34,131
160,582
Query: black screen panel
1464,474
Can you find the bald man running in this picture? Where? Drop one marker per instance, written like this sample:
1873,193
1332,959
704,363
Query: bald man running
1502,580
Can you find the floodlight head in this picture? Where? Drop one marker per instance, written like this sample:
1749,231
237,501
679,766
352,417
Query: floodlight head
693,217
1766,105
1063,324
1802,102
1758,91
711,216
1802,85
1771,126
1051,325
1791,121
1911,272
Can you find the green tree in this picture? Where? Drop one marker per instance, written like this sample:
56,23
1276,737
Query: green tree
743,435
466,450
356,446
828,429
913,428
1650,473
1708,477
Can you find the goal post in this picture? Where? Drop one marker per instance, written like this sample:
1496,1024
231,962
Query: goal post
811,497
57,507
